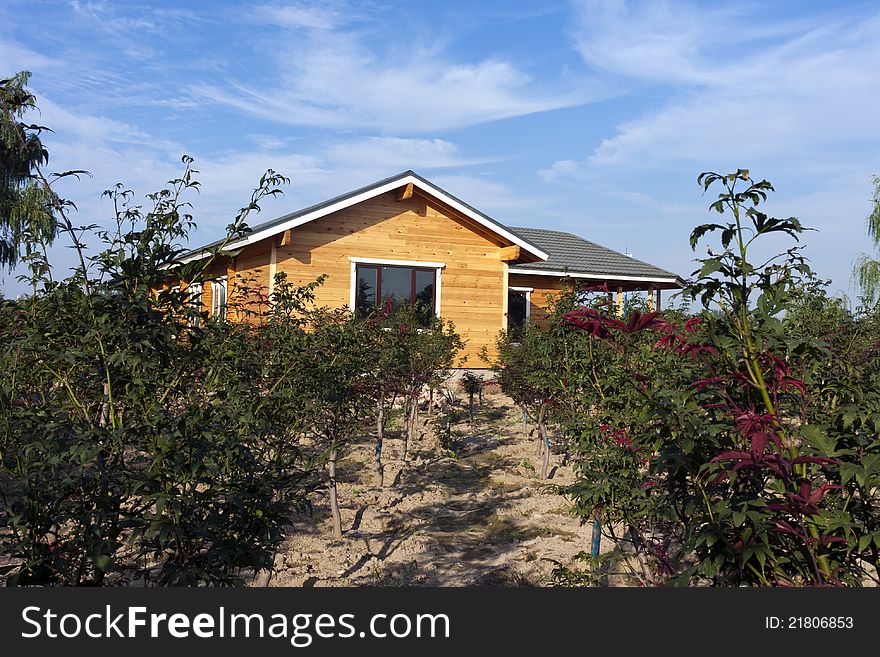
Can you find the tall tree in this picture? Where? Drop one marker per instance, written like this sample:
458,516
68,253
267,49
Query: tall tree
866,272
26,215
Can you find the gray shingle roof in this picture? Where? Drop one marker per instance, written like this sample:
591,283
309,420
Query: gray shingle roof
574,254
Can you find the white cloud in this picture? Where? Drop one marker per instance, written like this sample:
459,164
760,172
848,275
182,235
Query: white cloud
16,57
106,16
497,199
657,41
307,15
338,79
738,93
670,41
397,154
561,169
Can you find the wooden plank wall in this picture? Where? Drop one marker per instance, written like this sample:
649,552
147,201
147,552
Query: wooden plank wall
248,282
417,228
543,288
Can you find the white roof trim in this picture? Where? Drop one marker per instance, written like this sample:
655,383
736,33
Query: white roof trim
572,274
258,235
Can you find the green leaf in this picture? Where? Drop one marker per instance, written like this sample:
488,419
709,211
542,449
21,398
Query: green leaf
103,562
817,438
710,266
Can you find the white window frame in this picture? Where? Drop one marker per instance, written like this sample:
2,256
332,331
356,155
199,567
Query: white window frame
438,276
194,294
217,311
527,291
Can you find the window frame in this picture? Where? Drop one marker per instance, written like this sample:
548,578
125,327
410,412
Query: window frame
217,311
415,265
527,293
194,300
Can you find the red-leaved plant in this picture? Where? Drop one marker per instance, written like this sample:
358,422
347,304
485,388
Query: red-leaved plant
701,451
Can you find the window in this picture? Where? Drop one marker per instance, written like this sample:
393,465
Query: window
376,283
195,303
218,298
519,301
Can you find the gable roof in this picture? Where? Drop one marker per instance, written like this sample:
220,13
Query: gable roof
562,254
313,212
574,256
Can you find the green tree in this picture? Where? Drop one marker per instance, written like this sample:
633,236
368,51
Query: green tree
26,205
866,272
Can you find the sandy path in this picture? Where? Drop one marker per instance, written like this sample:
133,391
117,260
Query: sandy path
481,518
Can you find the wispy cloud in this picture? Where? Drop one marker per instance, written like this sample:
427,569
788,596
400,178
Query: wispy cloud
666,41
328,76
562,169
104,14
398,153
736,92
335,88
324,15
495,197
15,57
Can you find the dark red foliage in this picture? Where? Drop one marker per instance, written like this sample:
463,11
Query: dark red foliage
779,377
675,339
747,460
786,528
758,429
805,501
594,322
694,350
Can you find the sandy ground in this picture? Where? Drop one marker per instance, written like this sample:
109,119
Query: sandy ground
480,517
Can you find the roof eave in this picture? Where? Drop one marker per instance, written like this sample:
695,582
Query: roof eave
669,280
367,193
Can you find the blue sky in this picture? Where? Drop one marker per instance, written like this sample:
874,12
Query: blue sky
589,117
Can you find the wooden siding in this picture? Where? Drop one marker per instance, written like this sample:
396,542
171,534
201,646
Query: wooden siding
543,288
415,229
248,282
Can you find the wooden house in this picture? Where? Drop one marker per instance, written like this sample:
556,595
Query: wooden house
408,239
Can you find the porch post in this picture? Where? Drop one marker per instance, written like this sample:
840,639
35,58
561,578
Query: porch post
620,301
651,298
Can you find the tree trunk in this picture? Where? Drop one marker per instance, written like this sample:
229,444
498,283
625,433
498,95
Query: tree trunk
546,464
334,500
104,419
407,425
471,408
525,417
380,437
647,574
430,399
415,433
264,576
541,413
481,396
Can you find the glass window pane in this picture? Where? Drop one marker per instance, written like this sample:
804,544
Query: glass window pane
425,295
195,303
218,298
397,284
365,297
516,309
425,287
